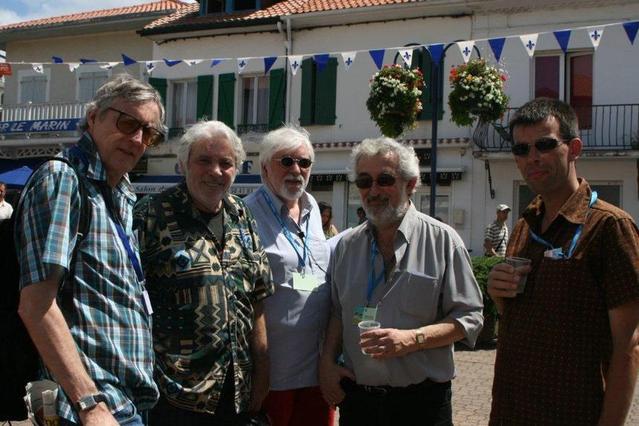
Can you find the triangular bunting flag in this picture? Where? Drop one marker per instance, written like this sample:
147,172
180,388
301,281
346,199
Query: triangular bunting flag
563,38
321,60
241,64
57,60
497,46
436,52
108,65
37,68
191,62
631,30
407,56
348,58
150,66
126,60
268,63
595,34
215,62
378,57
466,49
87,61
171,62
73,66
530,43
295,62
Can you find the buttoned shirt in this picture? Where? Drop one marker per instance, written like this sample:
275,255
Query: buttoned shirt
202,288
554,339
6,210
107,319
433,280
497,234
295,318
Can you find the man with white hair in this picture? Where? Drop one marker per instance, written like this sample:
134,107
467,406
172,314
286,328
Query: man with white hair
207,275
290,227
410,273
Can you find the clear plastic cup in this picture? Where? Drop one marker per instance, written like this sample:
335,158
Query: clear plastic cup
518,262
365,326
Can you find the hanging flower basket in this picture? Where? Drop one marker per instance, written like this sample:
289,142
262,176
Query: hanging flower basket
394,100
477,93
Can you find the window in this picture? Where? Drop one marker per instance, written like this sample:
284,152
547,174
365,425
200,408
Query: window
569,78
88,84
184,105
244,4
254,103
214,6
33,88
318,93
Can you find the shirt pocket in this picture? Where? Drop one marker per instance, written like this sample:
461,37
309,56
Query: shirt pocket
419,295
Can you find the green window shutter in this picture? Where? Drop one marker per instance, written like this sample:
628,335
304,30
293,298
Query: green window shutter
204,97
159,84
277,96
308,92
226,99
422,60
326,93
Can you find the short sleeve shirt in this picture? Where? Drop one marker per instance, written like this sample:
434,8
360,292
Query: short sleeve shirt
202,289
497,234
554,339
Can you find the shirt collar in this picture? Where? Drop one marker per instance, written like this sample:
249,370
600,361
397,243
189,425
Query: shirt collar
406,227
574,209
305,204
183,203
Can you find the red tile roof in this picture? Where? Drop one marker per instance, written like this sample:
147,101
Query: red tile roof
167,6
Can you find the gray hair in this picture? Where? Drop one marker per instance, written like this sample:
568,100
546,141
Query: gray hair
286,137
207,130
123,86
408,161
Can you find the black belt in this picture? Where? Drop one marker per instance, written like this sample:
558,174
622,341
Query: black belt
350,386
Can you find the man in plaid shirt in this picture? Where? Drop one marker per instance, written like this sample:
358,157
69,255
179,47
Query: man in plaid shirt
95,336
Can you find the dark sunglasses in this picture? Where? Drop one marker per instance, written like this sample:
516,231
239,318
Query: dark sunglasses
287,162
366,181
541,145
128,124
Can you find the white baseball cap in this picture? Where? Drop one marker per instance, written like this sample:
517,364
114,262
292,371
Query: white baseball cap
502,207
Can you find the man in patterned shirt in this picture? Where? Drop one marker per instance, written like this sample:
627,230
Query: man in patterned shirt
568,348
207,275
496,235
95,337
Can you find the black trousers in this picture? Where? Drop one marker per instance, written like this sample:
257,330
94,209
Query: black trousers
424,404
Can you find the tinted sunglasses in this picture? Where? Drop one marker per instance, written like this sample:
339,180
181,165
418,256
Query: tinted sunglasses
541,145
128,124
287,162
366,181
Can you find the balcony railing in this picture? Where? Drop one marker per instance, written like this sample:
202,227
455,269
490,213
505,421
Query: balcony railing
45,111
601,128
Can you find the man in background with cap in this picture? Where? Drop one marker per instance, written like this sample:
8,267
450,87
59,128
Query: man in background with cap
496,235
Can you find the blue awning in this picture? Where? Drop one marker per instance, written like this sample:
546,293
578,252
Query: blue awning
16,177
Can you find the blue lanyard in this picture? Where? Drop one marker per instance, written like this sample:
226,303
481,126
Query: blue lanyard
575,238
373,281
301,258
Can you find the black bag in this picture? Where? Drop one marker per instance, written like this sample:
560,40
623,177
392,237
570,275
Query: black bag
19,359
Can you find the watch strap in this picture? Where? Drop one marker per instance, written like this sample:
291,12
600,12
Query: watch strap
90,401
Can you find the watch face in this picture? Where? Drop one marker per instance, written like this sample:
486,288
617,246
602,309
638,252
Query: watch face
90,401
419,337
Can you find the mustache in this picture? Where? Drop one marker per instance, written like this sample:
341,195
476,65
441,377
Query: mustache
292,177
380,197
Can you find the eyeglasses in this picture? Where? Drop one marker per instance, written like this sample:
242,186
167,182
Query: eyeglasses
128,124
287,162
366,181
541,145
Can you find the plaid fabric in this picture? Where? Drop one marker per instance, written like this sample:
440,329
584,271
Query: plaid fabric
107,318
202,291
554,339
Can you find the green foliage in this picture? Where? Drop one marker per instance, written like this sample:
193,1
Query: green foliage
481,267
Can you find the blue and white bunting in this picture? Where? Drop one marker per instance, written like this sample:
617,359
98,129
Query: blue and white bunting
57,60
407,56
348,58
497,46
127,60
171,62
631,30
378,57
108,65
530,43
295,62
268,63
37,68
216,61
73,66
150,66
321,60
84,61
436,51
595,34
466,49
241,64
191,62
563,38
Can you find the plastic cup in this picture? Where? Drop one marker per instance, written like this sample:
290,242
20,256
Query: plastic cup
365,326
518,262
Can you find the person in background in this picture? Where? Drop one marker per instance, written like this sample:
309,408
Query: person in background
290,227
326,211
6,210
208,276
496,235
568,347
361,215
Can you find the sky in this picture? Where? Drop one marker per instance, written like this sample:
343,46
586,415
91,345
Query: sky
24,10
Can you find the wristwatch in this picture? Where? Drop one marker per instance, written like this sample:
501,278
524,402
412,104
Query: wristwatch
420,338
90,401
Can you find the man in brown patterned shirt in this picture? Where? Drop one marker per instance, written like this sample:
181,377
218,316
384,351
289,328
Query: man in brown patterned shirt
568,350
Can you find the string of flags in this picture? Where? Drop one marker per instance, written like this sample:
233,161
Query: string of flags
436,50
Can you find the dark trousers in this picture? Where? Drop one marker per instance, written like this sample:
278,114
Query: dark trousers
424,404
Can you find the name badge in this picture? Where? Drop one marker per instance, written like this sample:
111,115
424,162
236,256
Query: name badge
364,313
306,282
554,254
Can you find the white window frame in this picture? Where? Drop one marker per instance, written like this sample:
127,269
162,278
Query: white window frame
171,96
240,101
31,73
86,69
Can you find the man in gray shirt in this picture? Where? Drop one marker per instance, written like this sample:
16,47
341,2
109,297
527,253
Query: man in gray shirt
412,274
